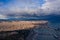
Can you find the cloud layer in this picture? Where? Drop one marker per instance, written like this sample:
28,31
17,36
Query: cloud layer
30,8
51,7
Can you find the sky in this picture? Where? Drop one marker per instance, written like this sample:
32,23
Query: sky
28,8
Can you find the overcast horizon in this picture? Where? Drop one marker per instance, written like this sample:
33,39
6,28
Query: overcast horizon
29,9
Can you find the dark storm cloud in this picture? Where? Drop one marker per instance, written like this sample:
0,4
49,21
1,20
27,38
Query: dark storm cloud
28,8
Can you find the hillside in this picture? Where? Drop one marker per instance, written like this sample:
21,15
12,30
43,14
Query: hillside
19,25
27,30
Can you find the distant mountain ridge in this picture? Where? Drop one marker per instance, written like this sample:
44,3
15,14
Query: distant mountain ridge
51,18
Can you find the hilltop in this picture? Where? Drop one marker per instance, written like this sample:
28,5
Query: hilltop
19,25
